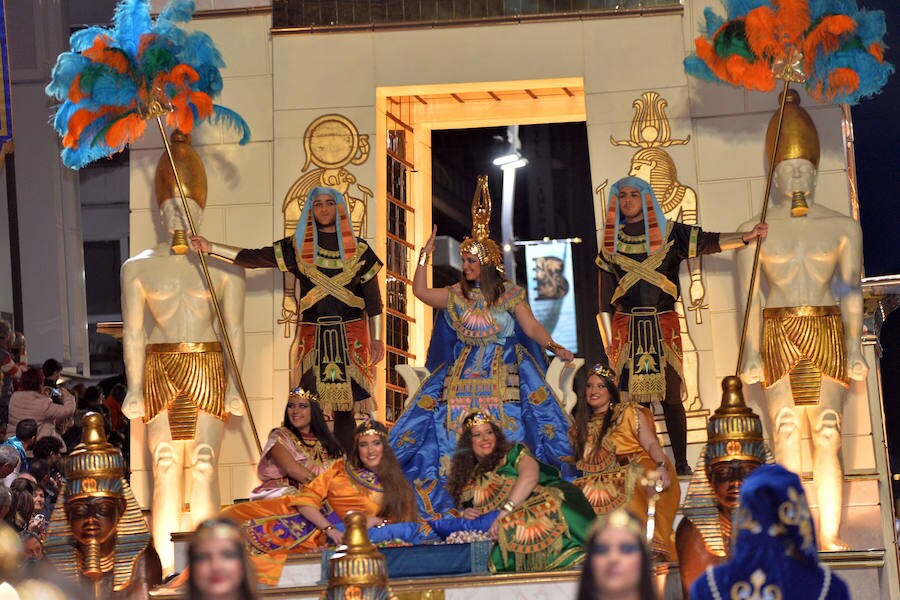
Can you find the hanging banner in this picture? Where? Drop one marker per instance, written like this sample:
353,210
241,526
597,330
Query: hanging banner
551,292
5,111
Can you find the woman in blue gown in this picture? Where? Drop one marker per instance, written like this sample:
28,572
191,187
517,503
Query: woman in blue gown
486,353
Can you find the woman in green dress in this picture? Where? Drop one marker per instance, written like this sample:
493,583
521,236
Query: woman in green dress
541,521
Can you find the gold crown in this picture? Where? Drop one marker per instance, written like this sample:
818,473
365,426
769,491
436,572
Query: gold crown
619,518
190,170
602,371
799,138
301,392
481,244
214,528
372,430
477,418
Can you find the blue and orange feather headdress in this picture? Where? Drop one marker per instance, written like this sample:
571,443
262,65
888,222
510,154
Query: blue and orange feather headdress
111,75
837,47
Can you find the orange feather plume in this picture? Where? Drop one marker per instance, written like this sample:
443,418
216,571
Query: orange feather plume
793,19
130,127
841,81
877,50
761,26
826,37
100,52
76,95
77,122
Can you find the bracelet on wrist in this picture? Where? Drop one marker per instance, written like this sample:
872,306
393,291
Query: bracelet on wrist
554,347
423,257
509,506
329,528
382,524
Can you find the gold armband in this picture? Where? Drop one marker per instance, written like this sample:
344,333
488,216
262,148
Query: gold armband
224,252
604,324
375,328
731,241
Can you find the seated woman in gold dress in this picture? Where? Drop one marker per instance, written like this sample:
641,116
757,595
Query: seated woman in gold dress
298,451
541,521
617,450
369,481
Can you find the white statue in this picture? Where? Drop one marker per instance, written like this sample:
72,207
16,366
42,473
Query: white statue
173,359
804,345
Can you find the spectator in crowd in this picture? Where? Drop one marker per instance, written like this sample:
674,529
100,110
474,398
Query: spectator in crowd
9,460
52,369
31,543
26,436
49,448
5,502
113,404
21,509
12,364
30,402
39,468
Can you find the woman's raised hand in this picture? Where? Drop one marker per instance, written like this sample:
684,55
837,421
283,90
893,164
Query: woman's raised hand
429,245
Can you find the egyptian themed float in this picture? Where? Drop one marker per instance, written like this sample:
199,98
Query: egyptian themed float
359,117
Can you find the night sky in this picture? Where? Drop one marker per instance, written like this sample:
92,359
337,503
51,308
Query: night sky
877,133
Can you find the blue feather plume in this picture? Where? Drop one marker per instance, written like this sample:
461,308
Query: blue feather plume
100,104
229,119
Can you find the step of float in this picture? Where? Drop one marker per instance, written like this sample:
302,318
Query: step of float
862,570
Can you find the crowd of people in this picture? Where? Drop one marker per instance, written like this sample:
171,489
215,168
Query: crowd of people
40,422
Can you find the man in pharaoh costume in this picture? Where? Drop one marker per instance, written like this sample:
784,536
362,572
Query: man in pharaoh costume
640,255
734,448
173,361
486,352
336,271
804,333
97,535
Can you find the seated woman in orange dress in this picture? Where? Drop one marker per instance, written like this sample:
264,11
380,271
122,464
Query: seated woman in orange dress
298,451
369,481
617,450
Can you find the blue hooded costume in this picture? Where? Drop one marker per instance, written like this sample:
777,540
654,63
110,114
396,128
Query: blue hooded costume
775,552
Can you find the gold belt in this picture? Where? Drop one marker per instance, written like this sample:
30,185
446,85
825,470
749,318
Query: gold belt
800,311
184,347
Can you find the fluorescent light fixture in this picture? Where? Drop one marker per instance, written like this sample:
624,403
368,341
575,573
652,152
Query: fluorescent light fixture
515,164
506,159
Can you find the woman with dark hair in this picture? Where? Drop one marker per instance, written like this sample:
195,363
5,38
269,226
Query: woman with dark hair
218,564
620,458
369,480
617,561
30,402
487,352
298,451
21,509
541,520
